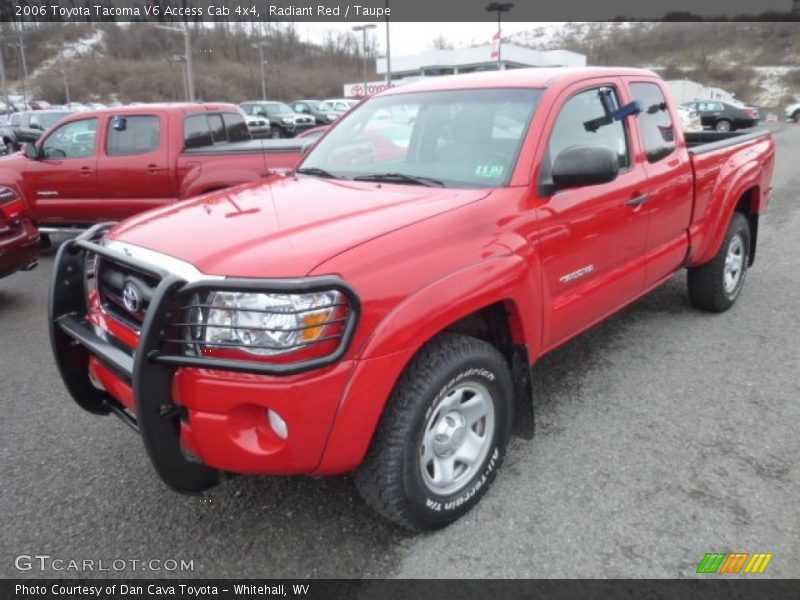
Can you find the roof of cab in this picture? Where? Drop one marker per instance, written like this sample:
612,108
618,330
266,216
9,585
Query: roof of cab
185,107
520,78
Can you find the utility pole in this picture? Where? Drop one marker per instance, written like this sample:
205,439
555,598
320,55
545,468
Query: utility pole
363,29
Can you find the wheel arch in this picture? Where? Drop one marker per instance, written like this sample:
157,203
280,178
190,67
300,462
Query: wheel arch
493,300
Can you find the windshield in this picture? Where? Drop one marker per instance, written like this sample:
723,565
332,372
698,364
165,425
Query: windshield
50,119
321,106
456,138
278,109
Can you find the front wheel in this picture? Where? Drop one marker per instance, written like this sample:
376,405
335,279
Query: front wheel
443,434
796,116
716,285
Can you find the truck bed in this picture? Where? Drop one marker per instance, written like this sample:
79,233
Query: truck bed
701,142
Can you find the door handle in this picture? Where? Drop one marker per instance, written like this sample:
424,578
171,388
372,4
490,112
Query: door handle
85,170
638,200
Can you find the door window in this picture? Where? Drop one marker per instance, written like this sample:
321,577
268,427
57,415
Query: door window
573,127
128,136
658,132
75,139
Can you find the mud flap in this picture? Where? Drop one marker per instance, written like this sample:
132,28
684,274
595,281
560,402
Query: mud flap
523,394
159,422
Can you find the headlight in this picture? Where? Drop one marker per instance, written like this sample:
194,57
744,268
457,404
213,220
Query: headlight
262,324
287,120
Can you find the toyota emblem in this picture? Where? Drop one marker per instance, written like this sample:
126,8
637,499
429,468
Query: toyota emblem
132,298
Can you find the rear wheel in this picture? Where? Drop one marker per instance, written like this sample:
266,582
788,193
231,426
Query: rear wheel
796,116
723,125
716,285
443,434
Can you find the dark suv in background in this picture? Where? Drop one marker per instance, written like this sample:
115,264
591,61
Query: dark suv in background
27,127
323,113
724,116
283,121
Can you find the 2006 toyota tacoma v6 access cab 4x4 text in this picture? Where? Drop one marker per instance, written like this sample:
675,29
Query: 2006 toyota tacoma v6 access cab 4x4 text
378,309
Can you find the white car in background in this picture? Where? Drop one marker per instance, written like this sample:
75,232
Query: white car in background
793,112
690,119
341,105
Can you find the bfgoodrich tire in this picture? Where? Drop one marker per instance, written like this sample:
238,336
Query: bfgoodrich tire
716,285
443,434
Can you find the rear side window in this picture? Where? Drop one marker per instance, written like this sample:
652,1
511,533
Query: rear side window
236,127
215,128
132,135
655,121
571,127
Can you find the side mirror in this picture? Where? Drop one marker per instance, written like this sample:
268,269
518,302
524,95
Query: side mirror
30,151
35,125
578,166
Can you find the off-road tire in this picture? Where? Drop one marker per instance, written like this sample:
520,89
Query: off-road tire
390,479
706,282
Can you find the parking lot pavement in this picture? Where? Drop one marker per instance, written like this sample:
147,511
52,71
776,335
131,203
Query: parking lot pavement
662,434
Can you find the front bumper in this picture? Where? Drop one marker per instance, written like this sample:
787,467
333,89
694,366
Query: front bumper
198,417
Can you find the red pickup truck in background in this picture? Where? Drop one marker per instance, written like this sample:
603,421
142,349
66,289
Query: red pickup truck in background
379,310
114,163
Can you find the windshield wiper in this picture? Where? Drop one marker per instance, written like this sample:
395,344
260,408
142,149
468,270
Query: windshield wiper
401,178
317,172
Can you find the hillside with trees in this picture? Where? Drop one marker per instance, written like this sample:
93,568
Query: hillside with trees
759,62
140,62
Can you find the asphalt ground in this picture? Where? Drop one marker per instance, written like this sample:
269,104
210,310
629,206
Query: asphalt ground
662,434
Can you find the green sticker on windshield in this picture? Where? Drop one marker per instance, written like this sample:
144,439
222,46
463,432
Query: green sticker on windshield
489,171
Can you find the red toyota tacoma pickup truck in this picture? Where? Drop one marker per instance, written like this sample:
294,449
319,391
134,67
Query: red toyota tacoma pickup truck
114,163
378,311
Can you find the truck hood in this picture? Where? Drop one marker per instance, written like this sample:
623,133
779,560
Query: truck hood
284,227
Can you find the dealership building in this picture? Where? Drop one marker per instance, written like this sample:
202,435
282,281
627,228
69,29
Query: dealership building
433,63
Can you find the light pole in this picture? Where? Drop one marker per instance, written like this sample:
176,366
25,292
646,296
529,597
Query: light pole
21,46
363,29
64,77
499,8
179,58
262,63
187,56
389,50
3,77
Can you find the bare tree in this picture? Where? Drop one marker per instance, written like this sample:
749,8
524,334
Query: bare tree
441,43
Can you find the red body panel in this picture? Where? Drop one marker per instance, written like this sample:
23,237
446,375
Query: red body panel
422,258
103,188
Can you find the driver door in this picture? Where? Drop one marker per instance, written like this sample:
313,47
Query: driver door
62,182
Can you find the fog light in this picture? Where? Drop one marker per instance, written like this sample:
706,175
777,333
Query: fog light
278,424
